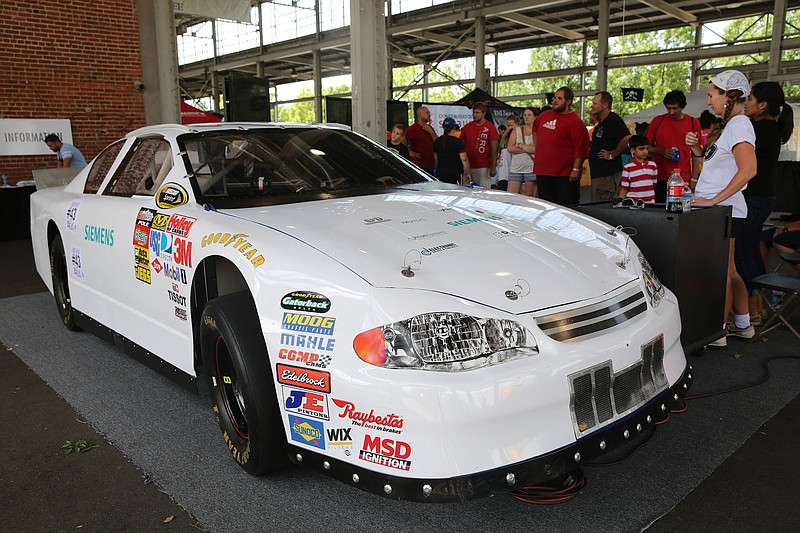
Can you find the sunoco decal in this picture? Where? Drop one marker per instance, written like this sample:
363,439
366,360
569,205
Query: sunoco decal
304,402
305,378
307,431
312,302
386,452
171,195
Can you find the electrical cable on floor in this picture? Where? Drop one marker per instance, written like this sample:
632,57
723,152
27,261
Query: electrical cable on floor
764,364
555,491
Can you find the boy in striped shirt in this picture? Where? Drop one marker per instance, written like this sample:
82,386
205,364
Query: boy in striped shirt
640,175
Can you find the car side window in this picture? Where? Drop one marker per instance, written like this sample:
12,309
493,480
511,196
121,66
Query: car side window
101,166
144,169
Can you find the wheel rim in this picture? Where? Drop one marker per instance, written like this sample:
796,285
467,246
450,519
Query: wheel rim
230,389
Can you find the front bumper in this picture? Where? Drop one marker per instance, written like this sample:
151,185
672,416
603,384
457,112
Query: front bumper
504,479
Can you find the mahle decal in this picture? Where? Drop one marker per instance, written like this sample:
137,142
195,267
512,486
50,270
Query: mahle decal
306,301
171,195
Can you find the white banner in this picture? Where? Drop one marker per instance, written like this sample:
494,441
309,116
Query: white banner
461,113
26,136
215,9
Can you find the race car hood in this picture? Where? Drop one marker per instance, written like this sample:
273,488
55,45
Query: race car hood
475,245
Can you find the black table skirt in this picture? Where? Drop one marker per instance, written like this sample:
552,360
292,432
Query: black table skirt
15,207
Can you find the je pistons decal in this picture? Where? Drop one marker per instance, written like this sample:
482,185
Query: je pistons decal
305,402
306,301
305,378
307,431
171,195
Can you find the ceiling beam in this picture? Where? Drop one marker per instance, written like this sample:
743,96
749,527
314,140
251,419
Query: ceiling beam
672,11
438,38
543,26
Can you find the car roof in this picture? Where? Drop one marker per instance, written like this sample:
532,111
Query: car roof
177,129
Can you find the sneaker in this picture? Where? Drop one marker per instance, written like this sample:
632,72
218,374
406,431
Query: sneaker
756,320
722,342
747,333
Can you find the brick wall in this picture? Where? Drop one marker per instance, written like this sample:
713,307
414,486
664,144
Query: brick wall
72,60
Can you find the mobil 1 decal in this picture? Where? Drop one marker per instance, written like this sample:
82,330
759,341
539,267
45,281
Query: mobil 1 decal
308,301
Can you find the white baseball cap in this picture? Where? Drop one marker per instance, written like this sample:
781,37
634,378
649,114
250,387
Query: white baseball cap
730,80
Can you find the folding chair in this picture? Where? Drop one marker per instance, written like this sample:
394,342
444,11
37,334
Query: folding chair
783,309
792,258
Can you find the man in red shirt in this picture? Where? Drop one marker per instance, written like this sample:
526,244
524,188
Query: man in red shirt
562,143
666,132
420,136
480,138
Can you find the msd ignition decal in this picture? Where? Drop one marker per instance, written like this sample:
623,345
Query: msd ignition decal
171,195
77,263
472,220
315,380
306,403
312,302
386,452
318,325
390,423
141,244
307,431
72,216
237,241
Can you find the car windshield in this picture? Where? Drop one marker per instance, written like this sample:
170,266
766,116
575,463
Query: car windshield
241,168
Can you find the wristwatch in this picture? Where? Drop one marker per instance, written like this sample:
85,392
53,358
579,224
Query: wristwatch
576,169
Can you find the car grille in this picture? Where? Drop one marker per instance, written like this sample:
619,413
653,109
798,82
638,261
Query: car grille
592,320
599,396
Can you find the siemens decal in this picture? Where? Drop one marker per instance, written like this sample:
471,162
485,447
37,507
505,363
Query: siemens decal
99,235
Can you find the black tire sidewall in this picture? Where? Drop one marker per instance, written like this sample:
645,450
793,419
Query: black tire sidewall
59,271
234,318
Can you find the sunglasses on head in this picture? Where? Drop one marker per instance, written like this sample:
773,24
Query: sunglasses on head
630,203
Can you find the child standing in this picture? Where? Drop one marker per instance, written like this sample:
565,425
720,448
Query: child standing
396,142
640,175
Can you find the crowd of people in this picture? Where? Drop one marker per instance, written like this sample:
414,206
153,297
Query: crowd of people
727,156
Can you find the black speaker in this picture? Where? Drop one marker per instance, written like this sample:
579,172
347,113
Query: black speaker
339,110
246,98
396,113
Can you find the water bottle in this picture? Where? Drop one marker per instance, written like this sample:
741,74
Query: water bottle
675,192
687,199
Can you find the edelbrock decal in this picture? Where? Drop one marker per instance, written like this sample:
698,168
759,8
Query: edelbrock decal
305,378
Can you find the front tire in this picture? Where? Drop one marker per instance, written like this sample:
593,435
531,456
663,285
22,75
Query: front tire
240,380
59,271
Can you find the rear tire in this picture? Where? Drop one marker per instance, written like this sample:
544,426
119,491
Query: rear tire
60,275
241,385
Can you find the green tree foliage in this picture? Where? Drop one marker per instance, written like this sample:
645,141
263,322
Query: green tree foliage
303,112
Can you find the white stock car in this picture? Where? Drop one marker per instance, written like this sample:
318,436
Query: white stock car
416,339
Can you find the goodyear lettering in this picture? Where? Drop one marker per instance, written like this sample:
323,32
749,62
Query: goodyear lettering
242,457
391,422
237,241
313,342
473,220
99,235
320,325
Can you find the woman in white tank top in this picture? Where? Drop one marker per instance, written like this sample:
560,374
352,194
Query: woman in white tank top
520,144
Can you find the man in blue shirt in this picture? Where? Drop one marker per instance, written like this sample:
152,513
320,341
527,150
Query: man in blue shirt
68,155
